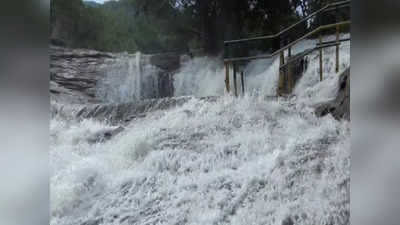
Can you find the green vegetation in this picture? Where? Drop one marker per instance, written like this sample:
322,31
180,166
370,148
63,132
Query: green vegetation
170,25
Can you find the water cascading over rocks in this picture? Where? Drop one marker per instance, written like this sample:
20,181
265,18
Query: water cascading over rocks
220,160
130,79
83,76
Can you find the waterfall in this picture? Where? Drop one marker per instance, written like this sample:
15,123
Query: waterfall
200,77
130,78
228,161
204,76
133,78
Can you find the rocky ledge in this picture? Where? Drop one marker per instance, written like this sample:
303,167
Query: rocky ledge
74,73
118,114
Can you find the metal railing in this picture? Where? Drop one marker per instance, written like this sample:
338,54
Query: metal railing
237,51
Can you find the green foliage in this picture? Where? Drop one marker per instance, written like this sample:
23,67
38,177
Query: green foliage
64,17
126,25
169,25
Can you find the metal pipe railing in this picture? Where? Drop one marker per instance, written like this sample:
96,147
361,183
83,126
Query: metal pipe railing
288,46
319,29
327,7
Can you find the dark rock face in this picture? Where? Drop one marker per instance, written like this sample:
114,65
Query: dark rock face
58,42
339,107
168,61
74,74
168,64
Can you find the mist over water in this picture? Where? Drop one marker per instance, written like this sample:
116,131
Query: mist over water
231,161
203,76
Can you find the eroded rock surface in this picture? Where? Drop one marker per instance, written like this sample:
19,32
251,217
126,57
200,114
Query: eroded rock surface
74,73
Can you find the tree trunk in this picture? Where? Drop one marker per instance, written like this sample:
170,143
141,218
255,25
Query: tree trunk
230,23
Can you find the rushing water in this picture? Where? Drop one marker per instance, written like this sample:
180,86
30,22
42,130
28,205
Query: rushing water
230,161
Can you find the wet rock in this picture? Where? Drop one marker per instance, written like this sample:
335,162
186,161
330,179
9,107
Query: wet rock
287,221
58,42
117,114
75,72
121,113
104,135
168,63
298,66
339,108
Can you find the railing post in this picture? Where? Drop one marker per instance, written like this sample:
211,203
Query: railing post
337,39
320,60
286,71
242,78
234,79
289,72
227,77
337,49
281,74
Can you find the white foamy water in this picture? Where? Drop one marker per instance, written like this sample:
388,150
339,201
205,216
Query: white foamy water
309,89
203,76
229,161
206,76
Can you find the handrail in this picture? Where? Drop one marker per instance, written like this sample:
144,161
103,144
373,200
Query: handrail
285,77
330,42
318,29
290,27
309,51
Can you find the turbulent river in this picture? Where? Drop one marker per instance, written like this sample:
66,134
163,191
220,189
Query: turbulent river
247,160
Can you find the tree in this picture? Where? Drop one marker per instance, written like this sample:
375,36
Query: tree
64,18
167,25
